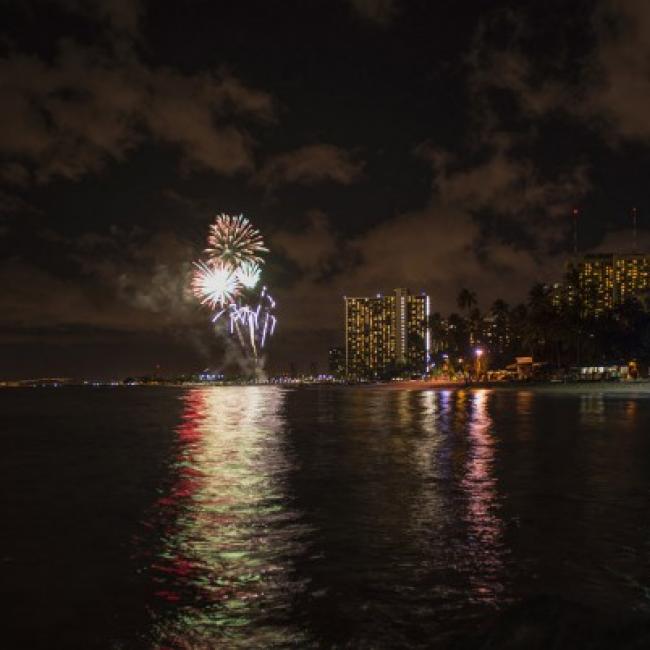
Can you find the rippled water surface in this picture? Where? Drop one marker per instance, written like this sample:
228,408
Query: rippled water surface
261,517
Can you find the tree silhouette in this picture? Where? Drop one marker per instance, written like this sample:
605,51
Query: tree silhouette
466,299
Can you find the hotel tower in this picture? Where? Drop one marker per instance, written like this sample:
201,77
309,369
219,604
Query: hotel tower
386,334
604,281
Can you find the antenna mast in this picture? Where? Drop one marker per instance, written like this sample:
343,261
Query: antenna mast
575,214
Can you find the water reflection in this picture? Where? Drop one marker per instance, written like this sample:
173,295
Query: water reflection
456,517
421,507
223,574
363,517
485,534
592,409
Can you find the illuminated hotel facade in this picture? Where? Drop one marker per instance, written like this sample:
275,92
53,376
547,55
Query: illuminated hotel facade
386,334
605,281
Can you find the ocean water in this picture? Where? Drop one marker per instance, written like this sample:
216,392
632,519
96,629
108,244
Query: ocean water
263,517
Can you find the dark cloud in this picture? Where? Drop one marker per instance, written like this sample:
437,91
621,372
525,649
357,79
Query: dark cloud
379,11
12,205
122,281
311,248
607,89
122,16
622,67
511,186
33,296
14,173
623,241
309,165
70,117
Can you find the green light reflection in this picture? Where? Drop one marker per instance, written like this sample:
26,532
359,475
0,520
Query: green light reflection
224,575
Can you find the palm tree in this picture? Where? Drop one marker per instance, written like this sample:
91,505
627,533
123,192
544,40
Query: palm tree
499,308
439,332
476,325
518,323
466,299
457,335
538,297
542,321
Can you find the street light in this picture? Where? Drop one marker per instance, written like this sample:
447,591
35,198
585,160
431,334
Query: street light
479,353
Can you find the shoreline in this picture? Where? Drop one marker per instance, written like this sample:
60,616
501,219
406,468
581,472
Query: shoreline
633,387
641,386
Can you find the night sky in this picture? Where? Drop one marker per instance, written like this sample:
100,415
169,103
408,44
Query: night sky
432,144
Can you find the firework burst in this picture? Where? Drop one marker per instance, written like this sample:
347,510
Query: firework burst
233,240
252,325
226,280
248,274
214,284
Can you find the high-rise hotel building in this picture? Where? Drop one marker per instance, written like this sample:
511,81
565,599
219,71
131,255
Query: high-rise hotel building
385,334
604,281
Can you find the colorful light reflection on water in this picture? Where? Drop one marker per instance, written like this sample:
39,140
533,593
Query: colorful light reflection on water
485,528
367,517
228,534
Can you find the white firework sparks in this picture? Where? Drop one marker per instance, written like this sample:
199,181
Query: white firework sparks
248,274
214,284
